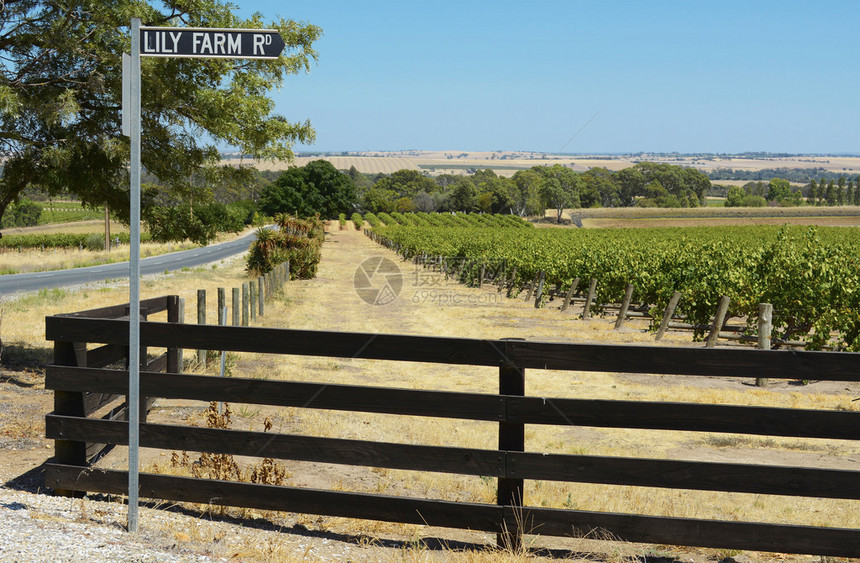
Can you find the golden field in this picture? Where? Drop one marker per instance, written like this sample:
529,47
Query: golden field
506,163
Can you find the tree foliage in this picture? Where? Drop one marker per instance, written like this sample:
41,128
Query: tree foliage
25,213
316,188
60,98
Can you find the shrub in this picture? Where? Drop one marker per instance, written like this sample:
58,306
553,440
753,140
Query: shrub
298,241
754,201
95,241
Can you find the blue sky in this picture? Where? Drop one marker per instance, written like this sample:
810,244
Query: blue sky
655,76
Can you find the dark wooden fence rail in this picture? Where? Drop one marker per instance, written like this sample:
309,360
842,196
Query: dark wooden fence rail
88,402
511,408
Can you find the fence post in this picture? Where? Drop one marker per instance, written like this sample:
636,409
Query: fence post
481,279
252,288
261,295
625,304
69,403
201,320
174,355
765,326
180,318
245,303
569,295
222,304
586,313
719,319
668,313
511,439
539,294
237,305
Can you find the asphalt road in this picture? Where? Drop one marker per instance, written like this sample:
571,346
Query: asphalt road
16,283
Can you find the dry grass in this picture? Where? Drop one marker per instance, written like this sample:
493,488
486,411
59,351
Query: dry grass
34,260
12,261
373,162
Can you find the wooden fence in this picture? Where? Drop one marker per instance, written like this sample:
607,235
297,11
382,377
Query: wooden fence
79,384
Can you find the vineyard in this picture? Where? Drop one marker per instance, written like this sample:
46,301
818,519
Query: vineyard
810,275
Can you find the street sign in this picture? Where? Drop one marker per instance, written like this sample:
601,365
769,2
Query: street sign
207,42
197,42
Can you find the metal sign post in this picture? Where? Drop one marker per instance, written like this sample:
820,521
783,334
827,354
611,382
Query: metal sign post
164,42
134,280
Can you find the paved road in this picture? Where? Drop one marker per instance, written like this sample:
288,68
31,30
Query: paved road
15,283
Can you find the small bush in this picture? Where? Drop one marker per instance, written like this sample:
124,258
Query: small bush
95,242
298,241
754,201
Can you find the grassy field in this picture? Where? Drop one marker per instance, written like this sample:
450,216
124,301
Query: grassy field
329,302
35,260
845,216
505,163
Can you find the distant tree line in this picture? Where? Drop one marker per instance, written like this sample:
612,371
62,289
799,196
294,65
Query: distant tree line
778,191
828,192
795,175
319,187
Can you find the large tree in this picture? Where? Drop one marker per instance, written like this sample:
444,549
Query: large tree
317,187
60,98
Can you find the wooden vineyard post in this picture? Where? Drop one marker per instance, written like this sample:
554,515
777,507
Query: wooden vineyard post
483,273
569,295
625,304
667,314
589,299
539,294
532,287
513,282
201,320
237,305
765,327
719,320
511,439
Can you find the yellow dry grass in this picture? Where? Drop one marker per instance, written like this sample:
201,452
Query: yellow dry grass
373,162
37,260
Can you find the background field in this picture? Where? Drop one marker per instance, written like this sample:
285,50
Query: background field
506,163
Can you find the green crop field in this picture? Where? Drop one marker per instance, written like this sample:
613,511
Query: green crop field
811,275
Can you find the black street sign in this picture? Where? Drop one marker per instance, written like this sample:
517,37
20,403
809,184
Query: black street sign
206,42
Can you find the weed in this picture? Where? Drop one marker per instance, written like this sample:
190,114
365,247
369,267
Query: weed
224,466
246,412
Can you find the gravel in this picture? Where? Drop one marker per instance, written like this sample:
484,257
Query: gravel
42,527
35,527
